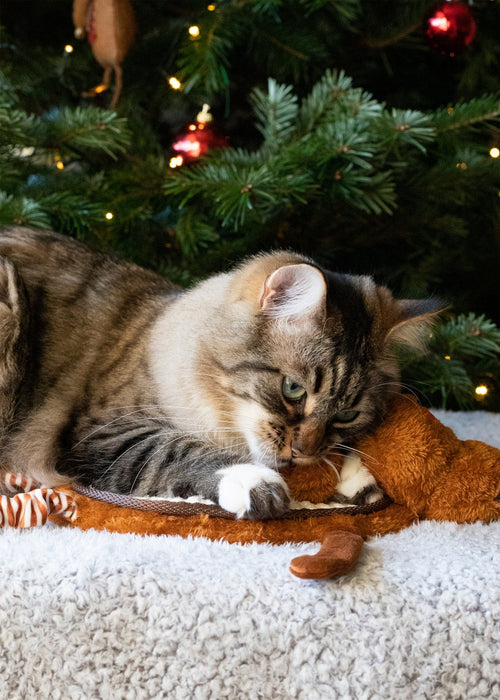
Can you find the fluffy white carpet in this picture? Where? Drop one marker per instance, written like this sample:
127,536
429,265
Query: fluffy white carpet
103,616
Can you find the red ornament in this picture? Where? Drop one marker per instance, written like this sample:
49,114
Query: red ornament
197,140
451,27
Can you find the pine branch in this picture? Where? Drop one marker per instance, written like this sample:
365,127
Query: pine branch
460,351
276,113
22,211
466,115
90,129
16,129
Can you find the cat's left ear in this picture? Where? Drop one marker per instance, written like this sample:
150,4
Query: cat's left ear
411,319
295,292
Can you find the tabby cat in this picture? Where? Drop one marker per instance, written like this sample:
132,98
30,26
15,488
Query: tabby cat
113,377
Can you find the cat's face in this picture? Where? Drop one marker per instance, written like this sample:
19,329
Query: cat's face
315,368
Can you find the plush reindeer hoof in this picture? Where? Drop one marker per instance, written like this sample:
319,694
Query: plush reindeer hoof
339,553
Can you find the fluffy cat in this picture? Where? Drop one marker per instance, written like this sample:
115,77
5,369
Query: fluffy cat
112,376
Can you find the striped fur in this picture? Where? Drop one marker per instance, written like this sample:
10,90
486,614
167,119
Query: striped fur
28,504
133,385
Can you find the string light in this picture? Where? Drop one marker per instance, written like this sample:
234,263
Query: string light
109,215
494,152
194,31
174,83
68,48
447,357
176,161
211,7
481,390
60,165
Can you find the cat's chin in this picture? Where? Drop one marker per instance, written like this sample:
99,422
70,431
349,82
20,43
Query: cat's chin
303,460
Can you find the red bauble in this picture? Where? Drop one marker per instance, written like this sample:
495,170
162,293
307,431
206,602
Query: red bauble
451,27
197,140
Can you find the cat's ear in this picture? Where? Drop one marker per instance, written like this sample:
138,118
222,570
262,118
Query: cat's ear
295,292
411,319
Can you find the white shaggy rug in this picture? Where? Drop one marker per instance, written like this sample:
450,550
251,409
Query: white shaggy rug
104,616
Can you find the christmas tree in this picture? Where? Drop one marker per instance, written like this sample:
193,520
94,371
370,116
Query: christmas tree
364,133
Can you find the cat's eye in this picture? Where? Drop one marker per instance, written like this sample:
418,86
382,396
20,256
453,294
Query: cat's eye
291,390
345,416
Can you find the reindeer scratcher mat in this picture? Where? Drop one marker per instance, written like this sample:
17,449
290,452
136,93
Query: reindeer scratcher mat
425,471
331,524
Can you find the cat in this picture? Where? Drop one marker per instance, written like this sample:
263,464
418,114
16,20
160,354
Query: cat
113,377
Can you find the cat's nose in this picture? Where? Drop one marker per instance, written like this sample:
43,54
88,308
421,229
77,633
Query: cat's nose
308,441
298,454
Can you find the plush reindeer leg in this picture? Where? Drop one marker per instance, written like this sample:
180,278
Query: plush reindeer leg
118,86
103,85
339,553
14,342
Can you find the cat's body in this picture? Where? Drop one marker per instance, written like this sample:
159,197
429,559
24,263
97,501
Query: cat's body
112,376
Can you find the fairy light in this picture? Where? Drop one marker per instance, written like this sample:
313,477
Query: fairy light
447,357
194,31
174,83
176,161
211,7
60,165
68,48
481,390
108,215
494,152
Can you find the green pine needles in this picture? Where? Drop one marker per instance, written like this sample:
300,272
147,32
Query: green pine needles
47,164
336,145
461,368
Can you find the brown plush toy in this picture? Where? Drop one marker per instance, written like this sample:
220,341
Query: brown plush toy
423,468
110,28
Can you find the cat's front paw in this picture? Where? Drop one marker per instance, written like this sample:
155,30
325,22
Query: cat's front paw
253,491
357,485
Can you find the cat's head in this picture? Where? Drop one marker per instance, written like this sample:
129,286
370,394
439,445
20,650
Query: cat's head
302,358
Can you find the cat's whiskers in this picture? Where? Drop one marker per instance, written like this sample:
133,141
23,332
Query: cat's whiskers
356,451
156,436
122,454
102,427
157,419
184,463
220,449
332,465
145,463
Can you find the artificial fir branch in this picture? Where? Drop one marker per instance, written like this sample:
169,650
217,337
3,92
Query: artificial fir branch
463,353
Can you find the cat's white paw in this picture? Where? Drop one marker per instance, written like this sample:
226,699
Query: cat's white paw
357,485
253,491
